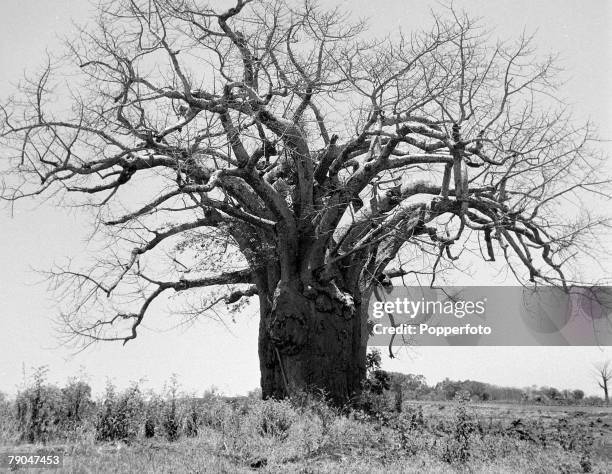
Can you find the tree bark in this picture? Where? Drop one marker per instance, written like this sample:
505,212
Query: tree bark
312,340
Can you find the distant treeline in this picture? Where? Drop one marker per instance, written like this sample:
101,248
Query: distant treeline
415,387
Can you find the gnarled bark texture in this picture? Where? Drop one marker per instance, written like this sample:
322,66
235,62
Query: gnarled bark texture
313,339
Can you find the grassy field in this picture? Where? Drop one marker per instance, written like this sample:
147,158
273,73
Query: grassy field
309,437
596,421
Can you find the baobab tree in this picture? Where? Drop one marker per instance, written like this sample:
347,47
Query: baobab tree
604,376
282,153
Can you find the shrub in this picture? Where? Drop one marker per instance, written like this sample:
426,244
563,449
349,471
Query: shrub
213,411
409,426
149,427
398,397
38,409
316,403
273,418
458,444
44,412
9,431
192,418
171,422
171,418
373,400
120,416
153,408
76,404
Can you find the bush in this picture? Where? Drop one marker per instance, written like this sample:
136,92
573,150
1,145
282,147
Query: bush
213,411
274,418
9,431
38,409
153,408
458,444
76,405
373,400
120,416
171,419
312,403
409,427
192,418
44,412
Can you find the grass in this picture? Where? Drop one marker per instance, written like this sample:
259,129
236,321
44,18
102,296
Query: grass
137,432
309,437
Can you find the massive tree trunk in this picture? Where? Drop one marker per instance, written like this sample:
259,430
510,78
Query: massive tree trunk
312,339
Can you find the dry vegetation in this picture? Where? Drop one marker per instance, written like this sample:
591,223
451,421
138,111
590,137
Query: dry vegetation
137,431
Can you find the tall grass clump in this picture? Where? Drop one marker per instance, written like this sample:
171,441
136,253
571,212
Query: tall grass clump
9,431
171,421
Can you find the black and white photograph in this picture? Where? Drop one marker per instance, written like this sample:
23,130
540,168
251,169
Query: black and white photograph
306,236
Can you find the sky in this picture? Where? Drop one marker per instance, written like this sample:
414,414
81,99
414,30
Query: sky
35,236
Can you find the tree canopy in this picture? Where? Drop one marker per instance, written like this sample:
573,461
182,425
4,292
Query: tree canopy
283,144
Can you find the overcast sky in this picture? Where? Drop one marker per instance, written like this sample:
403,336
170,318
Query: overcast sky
226,356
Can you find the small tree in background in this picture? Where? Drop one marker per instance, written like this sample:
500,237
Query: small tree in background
604,376
378,380
376,383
